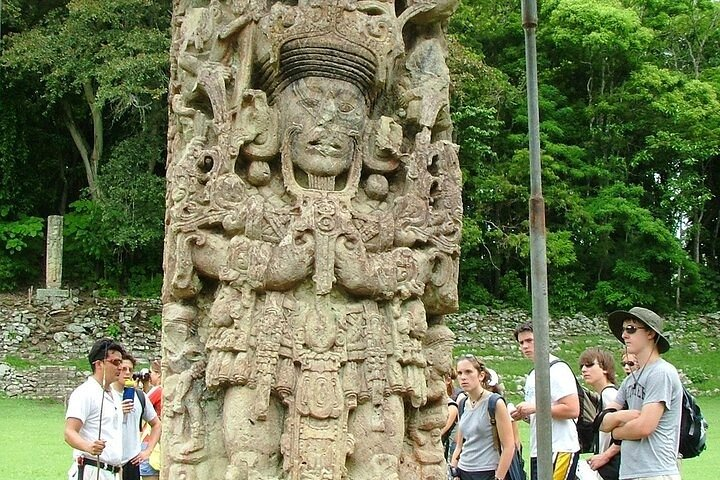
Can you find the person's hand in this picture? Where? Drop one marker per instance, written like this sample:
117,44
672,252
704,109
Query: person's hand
141,457
96,448
127,405
523,410
597,461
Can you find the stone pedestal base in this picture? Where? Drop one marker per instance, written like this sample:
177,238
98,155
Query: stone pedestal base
58,297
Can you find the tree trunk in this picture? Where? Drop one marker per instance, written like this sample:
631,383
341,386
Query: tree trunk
98,127
82,148
677,288
91,159
696,238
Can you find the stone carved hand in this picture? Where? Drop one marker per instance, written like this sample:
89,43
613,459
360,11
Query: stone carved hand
352,265
291,261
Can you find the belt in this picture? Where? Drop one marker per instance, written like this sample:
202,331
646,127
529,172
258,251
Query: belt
94,463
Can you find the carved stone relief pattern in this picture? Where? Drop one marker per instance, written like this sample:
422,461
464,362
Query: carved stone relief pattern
312,242
54,252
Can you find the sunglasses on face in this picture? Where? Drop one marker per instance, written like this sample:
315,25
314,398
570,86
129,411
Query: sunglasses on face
631,329
628,364
115,361
587,364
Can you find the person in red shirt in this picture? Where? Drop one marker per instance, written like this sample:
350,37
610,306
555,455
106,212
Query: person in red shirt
154,395
155,392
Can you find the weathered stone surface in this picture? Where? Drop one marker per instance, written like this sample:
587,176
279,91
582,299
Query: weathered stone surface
41,335
54,252
56,297
311,253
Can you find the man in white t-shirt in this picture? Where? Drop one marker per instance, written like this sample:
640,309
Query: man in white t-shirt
564,408
93,421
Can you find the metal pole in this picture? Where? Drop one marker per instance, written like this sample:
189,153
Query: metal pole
538,259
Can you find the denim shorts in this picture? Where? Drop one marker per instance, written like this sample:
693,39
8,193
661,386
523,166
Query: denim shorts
146,470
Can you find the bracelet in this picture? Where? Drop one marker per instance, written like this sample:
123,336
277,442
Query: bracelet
614,440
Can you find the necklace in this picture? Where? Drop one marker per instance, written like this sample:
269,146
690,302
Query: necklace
473,403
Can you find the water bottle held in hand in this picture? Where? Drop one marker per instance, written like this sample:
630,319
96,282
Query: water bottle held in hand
129,390
128,394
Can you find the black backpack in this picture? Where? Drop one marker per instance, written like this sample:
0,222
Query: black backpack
589,407
693,427
141,396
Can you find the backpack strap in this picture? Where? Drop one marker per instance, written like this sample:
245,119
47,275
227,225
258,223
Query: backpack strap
578,387
557,360
141,396
492,403
602,404
461,406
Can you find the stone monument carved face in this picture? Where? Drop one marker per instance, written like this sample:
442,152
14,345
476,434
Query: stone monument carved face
312,244
330,120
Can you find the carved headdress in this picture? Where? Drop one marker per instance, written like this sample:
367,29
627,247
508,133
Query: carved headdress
354,42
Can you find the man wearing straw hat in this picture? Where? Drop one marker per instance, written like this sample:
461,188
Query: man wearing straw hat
649,424
93,421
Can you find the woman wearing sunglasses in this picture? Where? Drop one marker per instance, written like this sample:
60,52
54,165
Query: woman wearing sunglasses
629,363
476,456
598,371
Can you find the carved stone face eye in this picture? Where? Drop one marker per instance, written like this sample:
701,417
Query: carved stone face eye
346,107
402,274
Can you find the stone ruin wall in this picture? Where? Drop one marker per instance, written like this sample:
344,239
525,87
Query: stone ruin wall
47,336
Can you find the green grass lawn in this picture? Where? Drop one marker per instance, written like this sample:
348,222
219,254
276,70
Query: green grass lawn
32,445
31,440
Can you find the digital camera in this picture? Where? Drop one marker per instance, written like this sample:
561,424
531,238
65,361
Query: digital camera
143,376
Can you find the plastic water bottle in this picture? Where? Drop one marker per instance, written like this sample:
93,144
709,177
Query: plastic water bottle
128,394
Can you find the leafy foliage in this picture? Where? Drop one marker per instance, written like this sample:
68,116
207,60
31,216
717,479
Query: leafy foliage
630,132
628,106
97,72
21,244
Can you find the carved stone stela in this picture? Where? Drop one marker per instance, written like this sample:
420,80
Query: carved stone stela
54,252
312,243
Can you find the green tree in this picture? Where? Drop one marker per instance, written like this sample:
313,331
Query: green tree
86,86
92,63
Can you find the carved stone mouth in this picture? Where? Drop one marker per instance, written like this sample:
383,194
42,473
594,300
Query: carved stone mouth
324,145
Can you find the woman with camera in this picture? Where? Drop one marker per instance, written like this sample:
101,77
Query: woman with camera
476,456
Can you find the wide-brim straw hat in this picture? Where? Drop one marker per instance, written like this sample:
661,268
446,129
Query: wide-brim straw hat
651,319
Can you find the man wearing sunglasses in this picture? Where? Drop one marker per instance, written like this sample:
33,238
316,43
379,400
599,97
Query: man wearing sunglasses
649,424
93,421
